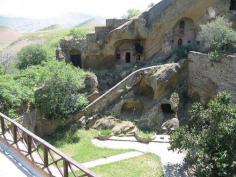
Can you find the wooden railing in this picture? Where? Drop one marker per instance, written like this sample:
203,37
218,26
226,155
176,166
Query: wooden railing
39,152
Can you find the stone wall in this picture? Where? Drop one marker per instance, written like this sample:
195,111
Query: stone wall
206,78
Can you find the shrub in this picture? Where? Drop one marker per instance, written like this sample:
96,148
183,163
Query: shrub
61,92
132,13
218,34
209,138
12,95
78,33
182,52
57,89
31,55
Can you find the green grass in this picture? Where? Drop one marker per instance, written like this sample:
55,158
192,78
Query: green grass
83,150
147,165
146,134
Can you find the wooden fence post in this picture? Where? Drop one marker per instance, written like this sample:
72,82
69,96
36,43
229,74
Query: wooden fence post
65,165
3,125
45,156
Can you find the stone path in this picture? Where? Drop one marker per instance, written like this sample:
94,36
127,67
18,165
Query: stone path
172,161
112,159
11,166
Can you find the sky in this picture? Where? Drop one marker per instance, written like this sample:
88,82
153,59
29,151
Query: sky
55,8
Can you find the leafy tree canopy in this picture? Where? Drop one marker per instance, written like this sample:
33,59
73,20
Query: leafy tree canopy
209,138
31,55
132,13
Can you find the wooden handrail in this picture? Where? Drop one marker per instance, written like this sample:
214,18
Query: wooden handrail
67,161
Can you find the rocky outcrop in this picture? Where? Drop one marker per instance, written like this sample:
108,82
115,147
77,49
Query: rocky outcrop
140,96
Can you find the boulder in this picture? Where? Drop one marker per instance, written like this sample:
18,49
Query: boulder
171,124
106,123
91,83
124,128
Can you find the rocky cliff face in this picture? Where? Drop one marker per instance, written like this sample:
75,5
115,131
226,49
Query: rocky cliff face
206,78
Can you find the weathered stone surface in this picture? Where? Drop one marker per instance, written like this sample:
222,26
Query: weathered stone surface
206,78
171,124
91,83
34,121
124,128
106,123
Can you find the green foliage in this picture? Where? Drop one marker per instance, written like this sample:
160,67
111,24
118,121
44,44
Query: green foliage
105,132
57,89
215,55
132,13
12,95
78,33
217,34
209,138
182,52
31,55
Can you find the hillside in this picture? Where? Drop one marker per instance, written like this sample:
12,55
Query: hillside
7,36
32,25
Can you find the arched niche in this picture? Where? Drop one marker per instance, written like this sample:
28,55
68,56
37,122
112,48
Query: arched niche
132,107
128,50
184,33
143,89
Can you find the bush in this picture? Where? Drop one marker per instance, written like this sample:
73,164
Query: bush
61,90
55,88
31,55
12,95
182,52
78,33
218,34
209,138
132,13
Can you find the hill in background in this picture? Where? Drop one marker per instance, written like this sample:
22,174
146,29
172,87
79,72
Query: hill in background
7,36
65,21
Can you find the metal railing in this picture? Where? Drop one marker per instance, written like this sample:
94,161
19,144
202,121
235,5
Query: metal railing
39,152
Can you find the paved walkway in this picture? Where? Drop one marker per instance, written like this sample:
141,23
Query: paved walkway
10,166
172,161
112,159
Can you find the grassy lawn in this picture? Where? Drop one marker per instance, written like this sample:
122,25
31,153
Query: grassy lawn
147,165
83,150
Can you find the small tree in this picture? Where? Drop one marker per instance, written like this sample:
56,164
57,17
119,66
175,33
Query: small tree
31,55
209,138
78,33
132,13
217,35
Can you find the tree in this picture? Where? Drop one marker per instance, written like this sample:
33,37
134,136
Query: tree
132,13
78,33
209,138
217,36
31,55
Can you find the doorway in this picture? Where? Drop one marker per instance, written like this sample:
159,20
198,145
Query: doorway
76,60
127,57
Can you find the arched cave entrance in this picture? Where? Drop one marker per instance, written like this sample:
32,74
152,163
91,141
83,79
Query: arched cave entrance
75,58
143,89
167,111
132,108
232,5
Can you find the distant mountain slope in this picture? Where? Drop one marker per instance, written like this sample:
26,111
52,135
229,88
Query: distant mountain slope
52,27
7,36
31,25
92,22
